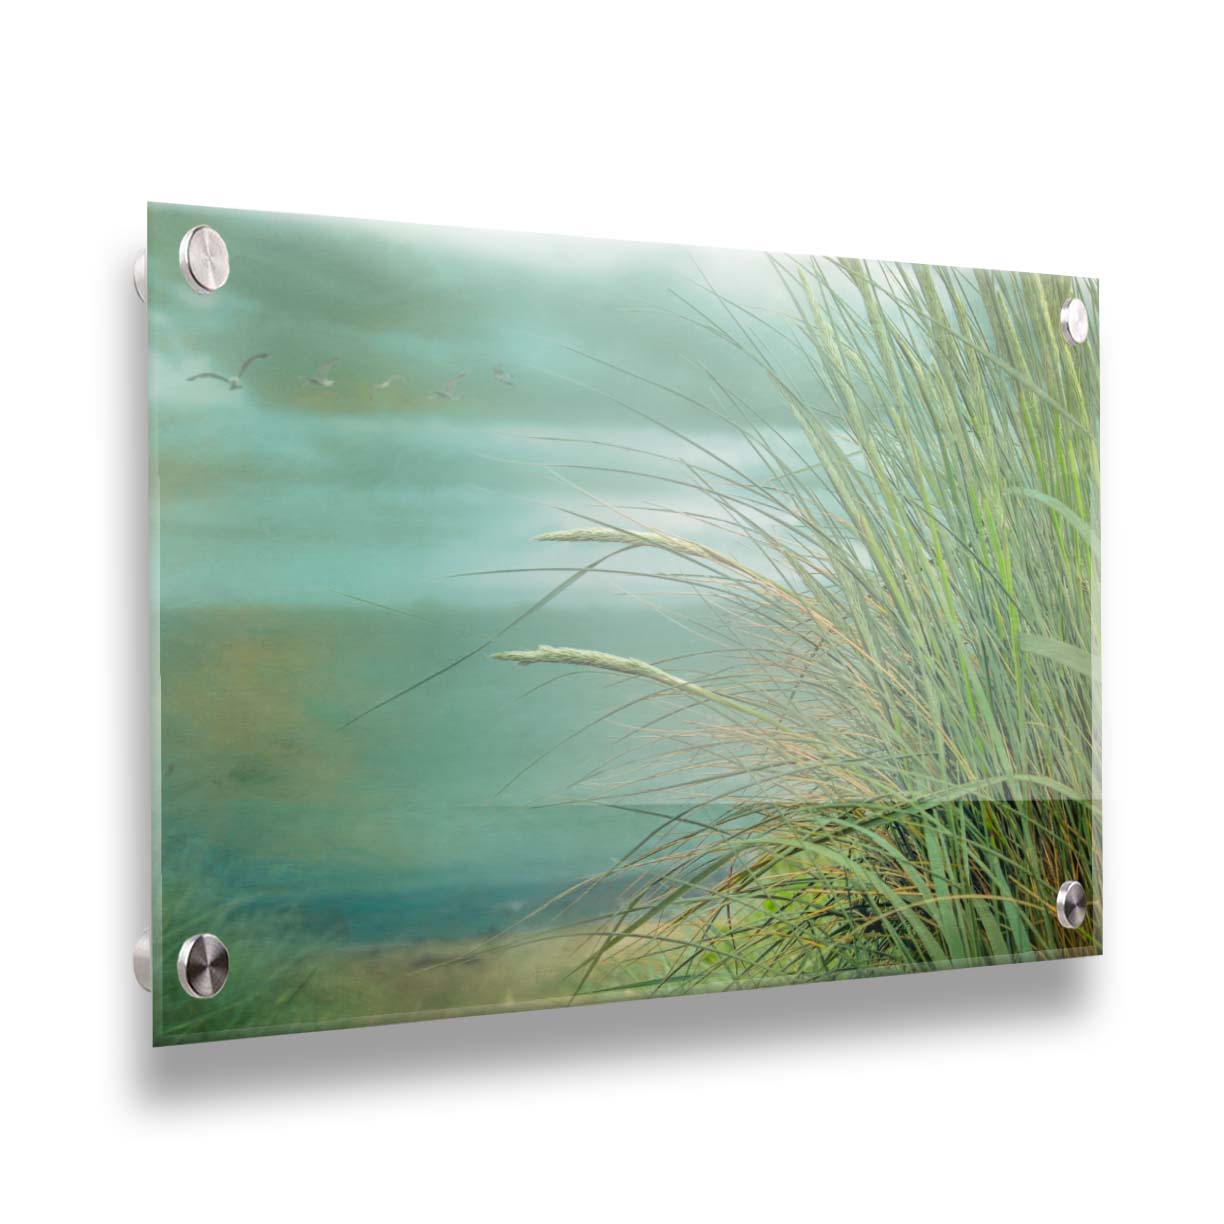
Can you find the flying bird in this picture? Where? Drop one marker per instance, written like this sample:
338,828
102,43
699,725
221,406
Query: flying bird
235,382
447,389
386,382
321,377
499,372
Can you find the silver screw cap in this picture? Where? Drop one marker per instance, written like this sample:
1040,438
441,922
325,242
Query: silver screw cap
204,259
1073,321
203,966
1072,904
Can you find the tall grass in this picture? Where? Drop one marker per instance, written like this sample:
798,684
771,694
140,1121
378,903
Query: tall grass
897,735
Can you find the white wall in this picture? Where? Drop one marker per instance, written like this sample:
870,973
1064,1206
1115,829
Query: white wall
1070,137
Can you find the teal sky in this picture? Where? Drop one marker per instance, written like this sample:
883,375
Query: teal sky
283,493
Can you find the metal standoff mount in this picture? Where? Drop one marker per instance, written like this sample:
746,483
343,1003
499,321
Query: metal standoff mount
204,259
203,966
1073,321
1072,904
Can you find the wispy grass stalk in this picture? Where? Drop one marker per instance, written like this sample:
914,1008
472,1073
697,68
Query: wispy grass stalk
630,667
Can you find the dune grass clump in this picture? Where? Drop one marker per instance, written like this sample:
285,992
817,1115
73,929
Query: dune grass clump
900,714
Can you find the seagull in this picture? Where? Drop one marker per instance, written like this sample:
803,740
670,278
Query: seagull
235,383
447,389
499,372
382,386
320,377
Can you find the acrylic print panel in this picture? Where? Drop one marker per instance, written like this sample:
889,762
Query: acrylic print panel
545,621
